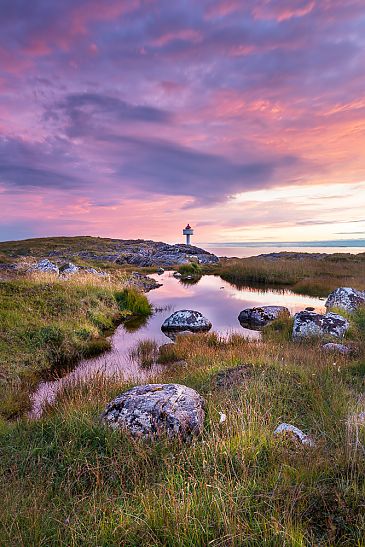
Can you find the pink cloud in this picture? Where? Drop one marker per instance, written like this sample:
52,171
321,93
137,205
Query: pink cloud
283,10
187,35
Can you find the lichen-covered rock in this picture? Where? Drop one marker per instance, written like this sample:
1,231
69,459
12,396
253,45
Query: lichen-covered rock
309,323
143,282
261,316
331,347
46,265
296,432
189,320
92,271
345,298
69,268
153,410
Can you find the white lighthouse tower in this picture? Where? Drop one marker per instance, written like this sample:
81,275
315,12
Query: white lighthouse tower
188,231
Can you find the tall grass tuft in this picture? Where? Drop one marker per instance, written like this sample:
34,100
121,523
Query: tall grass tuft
145,353
134,301
192,268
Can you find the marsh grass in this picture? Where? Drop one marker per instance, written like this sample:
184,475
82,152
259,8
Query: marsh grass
47,323
144,353
315,277
133,300
192,269
68,480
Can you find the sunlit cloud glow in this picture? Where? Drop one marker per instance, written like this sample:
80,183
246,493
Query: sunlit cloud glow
130,118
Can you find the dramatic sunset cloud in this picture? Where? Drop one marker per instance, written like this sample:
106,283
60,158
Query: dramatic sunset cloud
129,118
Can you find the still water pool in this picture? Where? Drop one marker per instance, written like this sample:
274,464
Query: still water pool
216,299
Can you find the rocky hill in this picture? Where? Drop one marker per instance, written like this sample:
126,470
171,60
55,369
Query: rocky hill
137,252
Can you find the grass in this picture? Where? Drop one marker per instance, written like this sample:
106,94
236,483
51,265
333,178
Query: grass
133,300
46,323
144,353
316,277
192,269
68,480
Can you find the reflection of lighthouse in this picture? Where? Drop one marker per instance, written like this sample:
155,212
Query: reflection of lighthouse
188,231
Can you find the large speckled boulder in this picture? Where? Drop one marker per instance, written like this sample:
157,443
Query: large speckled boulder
157,409
309,323
345,298
188,320
259,317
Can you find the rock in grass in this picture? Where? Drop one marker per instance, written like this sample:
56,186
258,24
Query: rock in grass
153,410
261,316
233,376
186,320
346,298
46,266
69,268
331,347
309,324
296,432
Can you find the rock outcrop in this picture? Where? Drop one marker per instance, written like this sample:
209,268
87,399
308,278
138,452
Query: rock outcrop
309,323
65,269
151,253
153,410
345,298
186,320
69,268
46,266
261,316
144,282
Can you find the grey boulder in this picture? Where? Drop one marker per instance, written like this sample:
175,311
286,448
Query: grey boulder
69,268
46,266
346,298
309,324
261,316
331,347
186,320
155,410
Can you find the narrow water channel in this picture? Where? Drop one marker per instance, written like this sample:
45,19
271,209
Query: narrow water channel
216,299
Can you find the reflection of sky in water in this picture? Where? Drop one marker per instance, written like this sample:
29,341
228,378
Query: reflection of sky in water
218,300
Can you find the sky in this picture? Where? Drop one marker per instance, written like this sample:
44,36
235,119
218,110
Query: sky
131,118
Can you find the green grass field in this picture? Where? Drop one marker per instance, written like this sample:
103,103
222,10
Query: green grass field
46,323
68,480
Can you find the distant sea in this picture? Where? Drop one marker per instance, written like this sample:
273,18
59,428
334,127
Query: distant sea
253,249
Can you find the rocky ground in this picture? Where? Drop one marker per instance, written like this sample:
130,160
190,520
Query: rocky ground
136,252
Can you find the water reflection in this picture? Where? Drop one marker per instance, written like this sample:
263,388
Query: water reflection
216,299
189,281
